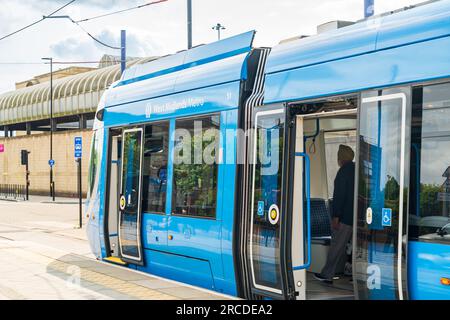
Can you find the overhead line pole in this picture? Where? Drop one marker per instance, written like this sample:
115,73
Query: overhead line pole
189,23
123,51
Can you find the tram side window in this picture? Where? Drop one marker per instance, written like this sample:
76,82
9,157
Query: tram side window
156,146
429,217
195,167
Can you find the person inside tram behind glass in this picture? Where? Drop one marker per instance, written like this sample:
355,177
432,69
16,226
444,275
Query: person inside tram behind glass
342,213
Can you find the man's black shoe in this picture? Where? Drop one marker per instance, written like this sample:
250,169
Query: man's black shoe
322,279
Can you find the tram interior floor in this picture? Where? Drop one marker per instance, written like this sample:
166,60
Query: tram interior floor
341,289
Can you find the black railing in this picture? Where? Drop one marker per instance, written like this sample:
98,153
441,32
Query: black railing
13,192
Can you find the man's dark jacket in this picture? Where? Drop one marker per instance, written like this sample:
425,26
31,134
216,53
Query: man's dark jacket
344,188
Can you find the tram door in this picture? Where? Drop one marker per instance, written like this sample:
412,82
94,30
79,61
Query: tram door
380,237
130,196
268,226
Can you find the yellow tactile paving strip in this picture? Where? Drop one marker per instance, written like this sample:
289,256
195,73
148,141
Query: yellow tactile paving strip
105,279
112,283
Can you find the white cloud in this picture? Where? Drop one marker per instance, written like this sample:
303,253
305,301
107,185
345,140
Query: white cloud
158,29
82,47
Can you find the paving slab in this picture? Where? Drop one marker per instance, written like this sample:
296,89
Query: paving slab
42,256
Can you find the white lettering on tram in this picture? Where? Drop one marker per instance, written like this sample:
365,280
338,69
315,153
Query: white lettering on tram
161,108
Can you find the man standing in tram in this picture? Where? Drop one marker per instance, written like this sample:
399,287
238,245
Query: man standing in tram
342,213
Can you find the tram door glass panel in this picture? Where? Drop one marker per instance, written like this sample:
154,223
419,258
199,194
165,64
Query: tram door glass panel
380,263
266,201
154,170
129,202
429,218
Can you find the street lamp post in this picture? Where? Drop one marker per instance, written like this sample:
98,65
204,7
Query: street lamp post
218,27
52,183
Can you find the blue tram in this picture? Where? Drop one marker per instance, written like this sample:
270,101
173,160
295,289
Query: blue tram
248,213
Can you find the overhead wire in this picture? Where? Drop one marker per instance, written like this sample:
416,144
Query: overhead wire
36,22
120,11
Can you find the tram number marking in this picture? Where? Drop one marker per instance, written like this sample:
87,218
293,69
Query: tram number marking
374,277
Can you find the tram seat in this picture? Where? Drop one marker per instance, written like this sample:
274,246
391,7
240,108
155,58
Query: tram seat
320,221
320,233
321,212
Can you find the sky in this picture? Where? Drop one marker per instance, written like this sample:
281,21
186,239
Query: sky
154,30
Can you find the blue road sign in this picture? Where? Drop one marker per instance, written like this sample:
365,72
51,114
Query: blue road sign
386,216
260,208
51,162
78,147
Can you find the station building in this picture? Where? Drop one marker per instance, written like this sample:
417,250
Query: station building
25,124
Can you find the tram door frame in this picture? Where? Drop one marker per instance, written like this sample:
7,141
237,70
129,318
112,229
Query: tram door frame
372,279
257,222
139,260
112,191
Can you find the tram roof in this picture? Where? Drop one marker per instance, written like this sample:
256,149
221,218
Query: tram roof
203,66
388,31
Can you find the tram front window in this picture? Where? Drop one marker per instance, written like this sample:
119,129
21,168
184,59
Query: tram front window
94,163
430,164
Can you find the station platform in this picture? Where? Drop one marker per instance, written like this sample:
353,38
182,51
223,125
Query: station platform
44,257
121,283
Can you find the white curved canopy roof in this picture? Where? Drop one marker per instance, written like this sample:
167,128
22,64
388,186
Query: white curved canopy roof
72,95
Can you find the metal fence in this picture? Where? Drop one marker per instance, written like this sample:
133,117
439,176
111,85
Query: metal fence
13,192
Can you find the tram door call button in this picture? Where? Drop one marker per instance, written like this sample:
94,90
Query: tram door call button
386,216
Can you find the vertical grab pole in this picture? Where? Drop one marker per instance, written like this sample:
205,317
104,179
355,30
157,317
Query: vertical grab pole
307,264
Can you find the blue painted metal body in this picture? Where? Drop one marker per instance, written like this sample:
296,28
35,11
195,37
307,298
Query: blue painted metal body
405,47
203,80
427,263
408,47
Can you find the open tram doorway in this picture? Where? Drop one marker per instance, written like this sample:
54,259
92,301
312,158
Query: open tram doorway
113,193
123,210
319,129
293,166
